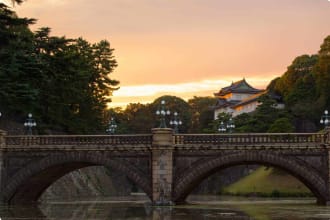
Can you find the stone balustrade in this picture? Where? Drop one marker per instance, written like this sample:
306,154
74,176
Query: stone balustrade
179,140
76,141
251,139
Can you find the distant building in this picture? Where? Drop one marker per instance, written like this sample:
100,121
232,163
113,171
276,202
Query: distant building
237,98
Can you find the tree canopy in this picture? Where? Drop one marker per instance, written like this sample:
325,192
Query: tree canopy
64,82
305,87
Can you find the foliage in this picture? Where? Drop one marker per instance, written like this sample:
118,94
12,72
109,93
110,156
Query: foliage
17,61
262,118
222,118
201,113
281,125
141,118
305,85
322,75
300,67
64,82
175,104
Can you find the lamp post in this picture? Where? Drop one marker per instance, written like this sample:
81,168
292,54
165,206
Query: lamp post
176,122
162,112
29,124
230,125
325,119
112,126
222,127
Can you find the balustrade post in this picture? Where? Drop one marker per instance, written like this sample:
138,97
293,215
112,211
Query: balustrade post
327,202
2,138
2,144
162,166
326,139
326,142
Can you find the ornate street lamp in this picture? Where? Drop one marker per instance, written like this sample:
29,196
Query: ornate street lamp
112,126
162,112
176,122
222,127
230,125
29,124
325,119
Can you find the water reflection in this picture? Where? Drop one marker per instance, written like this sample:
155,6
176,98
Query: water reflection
21,212
199,208
105,211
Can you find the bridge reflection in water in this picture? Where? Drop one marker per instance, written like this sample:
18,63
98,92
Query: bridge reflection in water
113,210
116,210
166,166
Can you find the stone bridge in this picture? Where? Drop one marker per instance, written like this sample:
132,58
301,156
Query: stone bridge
166,166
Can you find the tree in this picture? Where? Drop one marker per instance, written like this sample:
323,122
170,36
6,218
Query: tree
64,82
77,85
17,62
302,95
222,120
16,2
175,104
202,113
262,118
299,89
322,75
139,118
281,125
300,67
11,26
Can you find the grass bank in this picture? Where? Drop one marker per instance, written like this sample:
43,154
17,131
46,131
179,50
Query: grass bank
267,182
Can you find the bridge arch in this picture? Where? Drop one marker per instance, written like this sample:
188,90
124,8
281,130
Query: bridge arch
30,182
189,179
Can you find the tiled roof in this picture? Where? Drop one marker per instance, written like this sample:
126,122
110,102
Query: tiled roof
250,99
238,87
222,103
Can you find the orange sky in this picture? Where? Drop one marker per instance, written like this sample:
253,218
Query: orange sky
189,47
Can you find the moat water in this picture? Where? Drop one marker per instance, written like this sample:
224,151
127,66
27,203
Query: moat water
199,207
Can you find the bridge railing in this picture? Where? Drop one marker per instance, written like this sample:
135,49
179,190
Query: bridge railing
249,139
178,139
77,140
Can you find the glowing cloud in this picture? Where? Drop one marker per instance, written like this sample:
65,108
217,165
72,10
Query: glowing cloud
149,92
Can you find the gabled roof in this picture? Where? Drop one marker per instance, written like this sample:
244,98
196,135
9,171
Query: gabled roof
223,103
238,87
248,100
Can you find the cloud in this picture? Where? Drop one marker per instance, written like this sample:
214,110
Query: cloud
189,87
149,92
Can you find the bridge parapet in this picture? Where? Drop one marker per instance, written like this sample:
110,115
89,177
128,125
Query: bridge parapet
76,141
252,139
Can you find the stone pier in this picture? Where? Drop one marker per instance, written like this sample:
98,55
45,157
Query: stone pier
162,166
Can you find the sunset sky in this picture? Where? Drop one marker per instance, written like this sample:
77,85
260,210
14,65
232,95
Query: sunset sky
189,47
